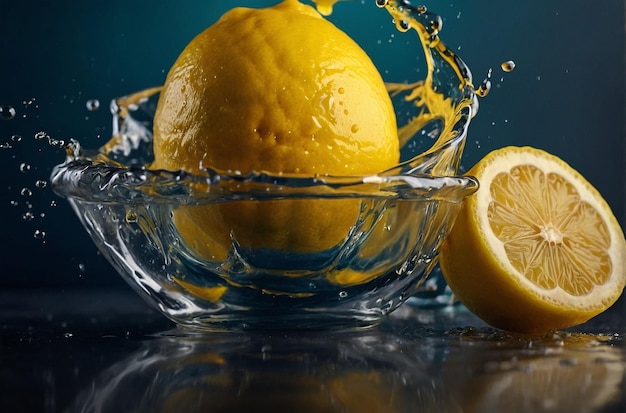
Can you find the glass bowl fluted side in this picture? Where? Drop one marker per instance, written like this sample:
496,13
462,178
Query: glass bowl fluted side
385,255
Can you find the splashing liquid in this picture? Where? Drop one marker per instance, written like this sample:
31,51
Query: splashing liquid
442,104
445,101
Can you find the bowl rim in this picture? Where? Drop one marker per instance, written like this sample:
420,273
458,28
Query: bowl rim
94,180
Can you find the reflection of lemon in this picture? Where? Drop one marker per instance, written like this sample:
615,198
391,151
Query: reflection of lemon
583,380
280,391
280,90
537,247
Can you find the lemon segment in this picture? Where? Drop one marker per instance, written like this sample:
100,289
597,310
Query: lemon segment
537,247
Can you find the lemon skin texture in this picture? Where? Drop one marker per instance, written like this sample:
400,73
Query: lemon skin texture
278,90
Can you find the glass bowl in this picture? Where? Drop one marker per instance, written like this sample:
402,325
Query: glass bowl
383,255
403,216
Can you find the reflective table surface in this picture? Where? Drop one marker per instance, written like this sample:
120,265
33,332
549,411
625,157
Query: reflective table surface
107,351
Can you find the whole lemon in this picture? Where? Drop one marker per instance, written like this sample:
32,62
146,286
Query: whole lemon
278,90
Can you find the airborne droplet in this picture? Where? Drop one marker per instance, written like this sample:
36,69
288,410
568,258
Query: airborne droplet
485,87
92,104
41,135
403,25
39,234
7,112
508,66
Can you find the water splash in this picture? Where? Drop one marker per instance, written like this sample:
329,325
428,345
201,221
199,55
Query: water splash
442,104
445,101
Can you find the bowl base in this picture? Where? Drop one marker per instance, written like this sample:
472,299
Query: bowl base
279,322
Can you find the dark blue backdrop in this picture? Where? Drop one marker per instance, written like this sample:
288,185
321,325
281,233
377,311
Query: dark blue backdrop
566,96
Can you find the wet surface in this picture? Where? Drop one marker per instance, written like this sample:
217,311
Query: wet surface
107,351
104,350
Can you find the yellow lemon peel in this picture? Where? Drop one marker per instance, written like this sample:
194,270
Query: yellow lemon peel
280,90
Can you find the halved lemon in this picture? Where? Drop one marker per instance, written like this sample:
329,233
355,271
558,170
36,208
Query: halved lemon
537,247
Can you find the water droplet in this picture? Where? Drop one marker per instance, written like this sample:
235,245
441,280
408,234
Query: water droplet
403,25
28,216
485,87
81,267
26,192
92,104
24,167
68,335
354,128
436,25
41,184
39,234
53,204
382,3
41,135
7,112
508,66
343,294
16,138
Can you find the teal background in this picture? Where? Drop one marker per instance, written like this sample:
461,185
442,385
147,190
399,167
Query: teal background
566,96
